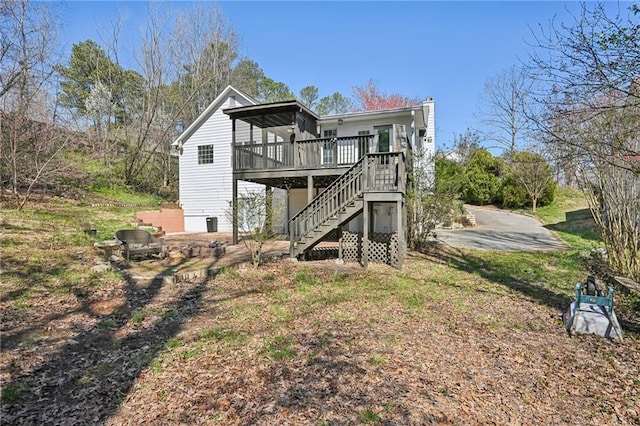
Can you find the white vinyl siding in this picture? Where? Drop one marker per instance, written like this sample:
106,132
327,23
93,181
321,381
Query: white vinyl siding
206,189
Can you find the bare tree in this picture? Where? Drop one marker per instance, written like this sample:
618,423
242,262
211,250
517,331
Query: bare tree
184,62
427,206
504,108
613,195
611,181
150,125
464,146
589,111
30,140
204,47
257,219
585,69
533,172
28,40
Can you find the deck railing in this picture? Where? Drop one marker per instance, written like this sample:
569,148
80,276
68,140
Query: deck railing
375,172
304,154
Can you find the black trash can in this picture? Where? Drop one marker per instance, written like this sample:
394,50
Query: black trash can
212,224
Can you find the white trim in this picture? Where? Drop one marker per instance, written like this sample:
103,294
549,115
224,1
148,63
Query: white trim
213,107
326,119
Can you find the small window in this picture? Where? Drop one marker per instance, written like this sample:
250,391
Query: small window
205,154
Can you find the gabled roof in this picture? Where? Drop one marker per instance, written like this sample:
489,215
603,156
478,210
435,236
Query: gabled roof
213,107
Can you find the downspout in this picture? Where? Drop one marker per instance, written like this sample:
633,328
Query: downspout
413,129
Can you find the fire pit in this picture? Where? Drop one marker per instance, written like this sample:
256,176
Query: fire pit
202,249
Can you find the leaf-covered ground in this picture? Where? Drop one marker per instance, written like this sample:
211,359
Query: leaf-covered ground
458,338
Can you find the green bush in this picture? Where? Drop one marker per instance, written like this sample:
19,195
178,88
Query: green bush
450,177
481,182
526,167
512,193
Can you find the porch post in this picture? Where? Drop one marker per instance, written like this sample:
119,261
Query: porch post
400,220
295,146
234,195
365,233
309,189
233,145
234,207
268,201
290,229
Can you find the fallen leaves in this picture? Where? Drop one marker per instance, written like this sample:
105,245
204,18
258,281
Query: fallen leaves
317,343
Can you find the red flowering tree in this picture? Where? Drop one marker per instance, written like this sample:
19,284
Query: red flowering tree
369,97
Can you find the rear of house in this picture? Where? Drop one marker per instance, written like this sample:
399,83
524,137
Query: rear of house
345,176
205,171
334,176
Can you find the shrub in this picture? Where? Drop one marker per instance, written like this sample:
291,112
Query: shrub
482,179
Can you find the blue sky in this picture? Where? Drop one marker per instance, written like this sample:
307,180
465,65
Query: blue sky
444,50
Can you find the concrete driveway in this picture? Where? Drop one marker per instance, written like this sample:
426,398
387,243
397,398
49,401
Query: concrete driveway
502,231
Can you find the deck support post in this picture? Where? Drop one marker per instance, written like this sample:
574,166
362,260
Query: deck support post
234,195
234,214
234,164
268,206
365,233
309,188
400,227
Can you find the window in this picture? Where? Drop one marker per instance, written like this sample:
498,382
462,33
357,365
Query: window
329,146
205,154
384,138
384,142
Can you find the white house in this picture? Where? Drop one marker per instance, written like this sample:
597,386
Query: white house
238,145
205,172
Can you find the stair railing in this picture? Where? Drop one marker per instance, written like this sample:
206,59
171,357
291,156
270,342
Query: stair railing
328,203
373,172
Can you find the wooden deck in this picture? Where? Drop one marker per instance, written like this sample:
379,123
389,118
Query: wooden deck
322,153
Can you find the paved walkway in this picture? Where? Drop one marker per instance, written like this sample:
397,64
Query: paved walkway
502,231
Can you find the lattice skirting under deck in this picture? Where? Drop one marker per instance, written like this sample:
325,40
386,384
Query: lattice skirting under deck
383,248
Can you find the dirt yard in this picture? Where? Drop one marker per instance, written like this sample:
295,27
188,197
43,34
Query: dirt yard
311,343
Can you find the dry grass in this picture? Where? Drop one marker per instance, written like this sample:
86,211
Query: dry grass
454,338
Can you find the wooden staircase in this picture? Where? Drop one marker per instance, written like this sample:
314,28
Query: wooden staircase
310,239
344,198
